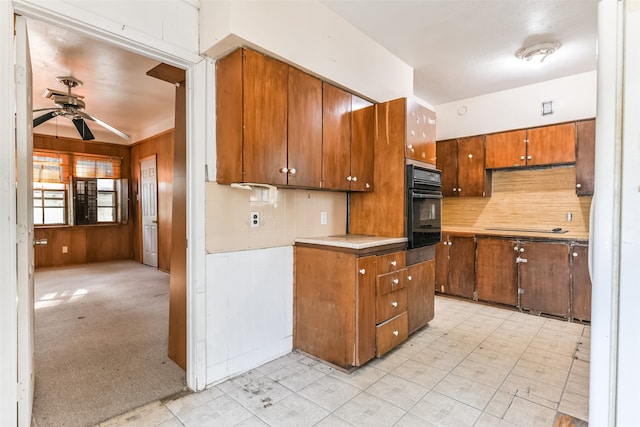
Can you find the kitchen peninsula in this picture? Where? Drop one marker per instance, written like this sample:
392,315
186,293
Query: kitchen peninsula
355,298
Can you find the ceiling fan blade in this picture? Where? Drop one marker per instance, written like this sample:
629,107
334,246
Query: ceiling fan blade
83,129
43,118
105,125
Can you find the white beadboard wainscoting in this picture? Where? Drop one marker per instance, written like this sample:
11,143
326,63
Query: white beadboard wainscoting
249,309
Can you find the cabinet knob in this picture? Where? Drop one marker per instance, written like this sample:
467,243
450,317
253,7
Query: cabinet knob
292,171
349,178
409,277
578,185
395,333
455,189
575,254
528,157
521,249
470,156
396,281
410,147
459,189
367,185
362,271
283,170
354,179
521,157
395,303
393,263
515,248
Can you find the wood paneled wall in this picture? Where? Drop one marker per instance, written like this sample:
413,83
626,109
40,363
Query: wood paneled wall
531,198
87,243
162,146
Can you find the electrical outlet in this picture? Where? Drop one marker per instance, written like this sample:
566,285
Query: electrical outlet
255,219
65,249
323,218
569,216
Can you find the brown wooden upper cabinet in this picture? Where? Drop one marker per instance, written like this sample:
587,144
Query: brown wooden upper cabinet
585,156
277,125
461,161
546,145
421,133
347,141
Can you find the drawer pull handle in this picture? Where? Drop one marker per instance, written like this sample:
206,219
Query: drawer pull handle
362,271
395,303
393,263
395,333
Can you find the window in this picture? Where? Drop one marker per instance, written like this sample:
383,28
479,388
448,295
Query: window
77,189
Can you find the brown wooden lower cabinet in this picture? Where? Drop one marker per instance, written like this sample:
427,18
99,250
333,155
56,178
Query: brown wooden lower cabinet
420,294
497,271
349,308
455,266
548,277
335,306
580,283
544,277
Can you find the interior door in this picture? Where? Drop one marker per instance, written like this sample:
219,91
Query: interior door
24,220
149,184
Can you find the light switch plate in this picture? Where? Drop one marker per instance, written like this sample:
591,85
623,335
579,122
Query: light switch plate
323,218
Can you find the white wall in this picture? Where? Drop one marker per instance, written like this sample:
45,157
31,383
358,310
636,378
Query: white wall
573,97
310,36
250,309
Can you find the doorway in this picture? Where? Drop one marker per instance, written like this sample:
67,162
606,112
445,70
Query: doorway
79,293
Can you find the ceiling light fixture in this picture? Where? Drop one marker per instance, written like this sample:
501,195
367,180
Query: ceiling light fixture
538,52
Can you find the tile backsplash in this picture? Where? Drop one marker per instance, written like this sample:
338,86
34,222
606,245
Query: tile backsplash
294,213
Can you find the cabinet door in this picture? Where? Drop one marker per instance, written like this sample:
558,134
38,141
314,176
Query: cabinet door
442,265
336,138
421,133
264,119
585,157
497,271
420,294
229,118
366,310
506,149
304,145
471,172
447,162
544,277
462,264
580,283
551,144
362,140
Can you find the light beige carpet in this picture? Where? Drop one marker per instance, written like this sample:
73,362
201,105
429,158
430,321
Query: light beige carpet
101,334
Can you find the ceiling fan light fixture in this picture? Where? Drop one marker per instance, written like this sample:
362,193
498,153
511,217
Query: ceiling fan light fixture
538,52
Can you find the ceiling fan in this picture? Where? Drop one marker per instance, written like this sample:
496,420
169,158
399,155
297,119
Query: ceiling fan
72,107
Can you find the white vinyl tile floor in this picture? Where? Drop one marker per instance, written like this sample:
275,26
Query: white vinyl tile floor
473,365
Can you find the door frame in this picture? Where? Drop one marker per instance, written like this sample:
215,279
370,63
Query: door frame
69,16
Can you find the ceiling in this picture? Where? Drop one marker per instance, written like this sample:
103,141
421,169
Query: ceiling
458,49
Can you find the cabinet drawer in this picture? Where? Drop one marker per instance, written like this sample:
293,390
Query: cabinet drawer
391,333
390,305
391,262
391,282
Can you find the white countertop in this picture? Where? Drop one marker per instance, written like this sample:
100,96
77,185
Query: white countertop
351,241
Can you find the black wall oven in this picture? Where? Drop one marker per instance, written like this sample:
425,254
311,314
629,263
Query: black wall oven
424,206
